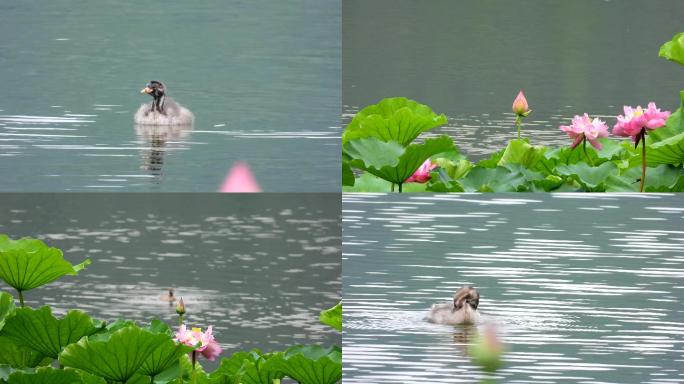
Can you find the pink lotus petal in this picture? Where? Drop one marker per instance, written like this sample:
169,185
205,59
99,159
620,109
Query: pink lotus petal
240,179
636,119
422,174
583,127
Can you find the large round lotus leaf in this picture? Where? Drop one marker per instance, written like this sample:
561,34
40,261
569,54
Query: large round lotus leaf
42,332
116,359
46,375
592,179
394,119
408,162
312,364
7,307
19,356
164,357
29,263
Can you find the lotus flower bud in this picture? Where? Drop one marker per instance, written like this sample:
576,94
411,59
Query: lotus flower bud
180,308
520,106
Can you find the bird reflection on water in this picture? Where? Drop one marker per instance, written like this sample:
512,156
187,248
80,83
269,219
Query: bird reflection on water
157,140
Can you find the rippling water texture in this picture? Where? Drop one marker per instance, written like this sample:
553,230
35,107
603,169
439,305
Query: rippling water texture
258,268
262,78
584,288
468,59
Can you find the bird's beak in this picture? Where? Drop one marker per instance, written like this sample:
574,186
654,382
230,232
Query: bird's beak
146,90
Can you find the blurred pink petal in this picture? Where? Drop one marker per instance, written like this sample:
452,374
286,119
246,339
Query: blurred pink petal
422,174
240,179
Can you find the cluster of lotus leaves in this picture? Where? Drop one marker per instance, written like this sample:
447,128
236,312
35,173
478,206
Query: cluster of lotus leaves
383,143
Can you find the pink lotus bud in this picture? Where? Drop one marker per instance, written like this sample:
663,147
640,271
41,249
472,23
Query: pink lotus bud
180,308
520,106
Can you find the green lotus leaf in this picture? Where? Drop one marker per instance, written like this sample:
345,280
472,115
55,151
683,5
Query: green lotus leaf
454,164
373,152
347,174
248,368
230,369
116,359
29,263
7,307
262,371
612,150
42,332
663,178
46,375
673,126
370,183
333,316
593,179
521,152
674,49
164,357
87,378
312,364
552,183
441,181
499,179
492,161
668,151
413,157
394,119
20,356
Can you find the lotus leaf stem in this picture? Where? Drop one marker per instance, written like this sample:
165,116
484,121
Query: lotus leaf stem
584,147
21,298
643,159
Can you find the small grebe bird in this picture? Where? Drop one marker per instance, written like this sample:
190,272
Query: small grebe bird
463,310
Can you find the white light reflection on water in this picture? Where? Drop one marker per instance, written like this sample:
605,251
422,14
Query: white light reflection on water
581,295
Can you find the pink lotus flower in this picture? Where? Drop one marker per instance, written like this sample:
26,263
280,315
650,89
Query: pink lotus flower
422,174
636,119
583,128
203,343
520,106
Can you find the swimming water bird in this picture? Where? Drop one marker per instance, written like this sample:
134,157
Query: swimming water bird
170,297
463,310
163,110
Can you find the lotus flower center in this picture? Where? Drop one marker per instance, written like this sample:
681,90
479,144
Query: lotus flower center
638,112
198,330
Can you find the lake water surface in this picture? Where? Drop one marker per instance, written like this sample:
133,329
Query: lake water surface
258,268
584,288
262,78
468,59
